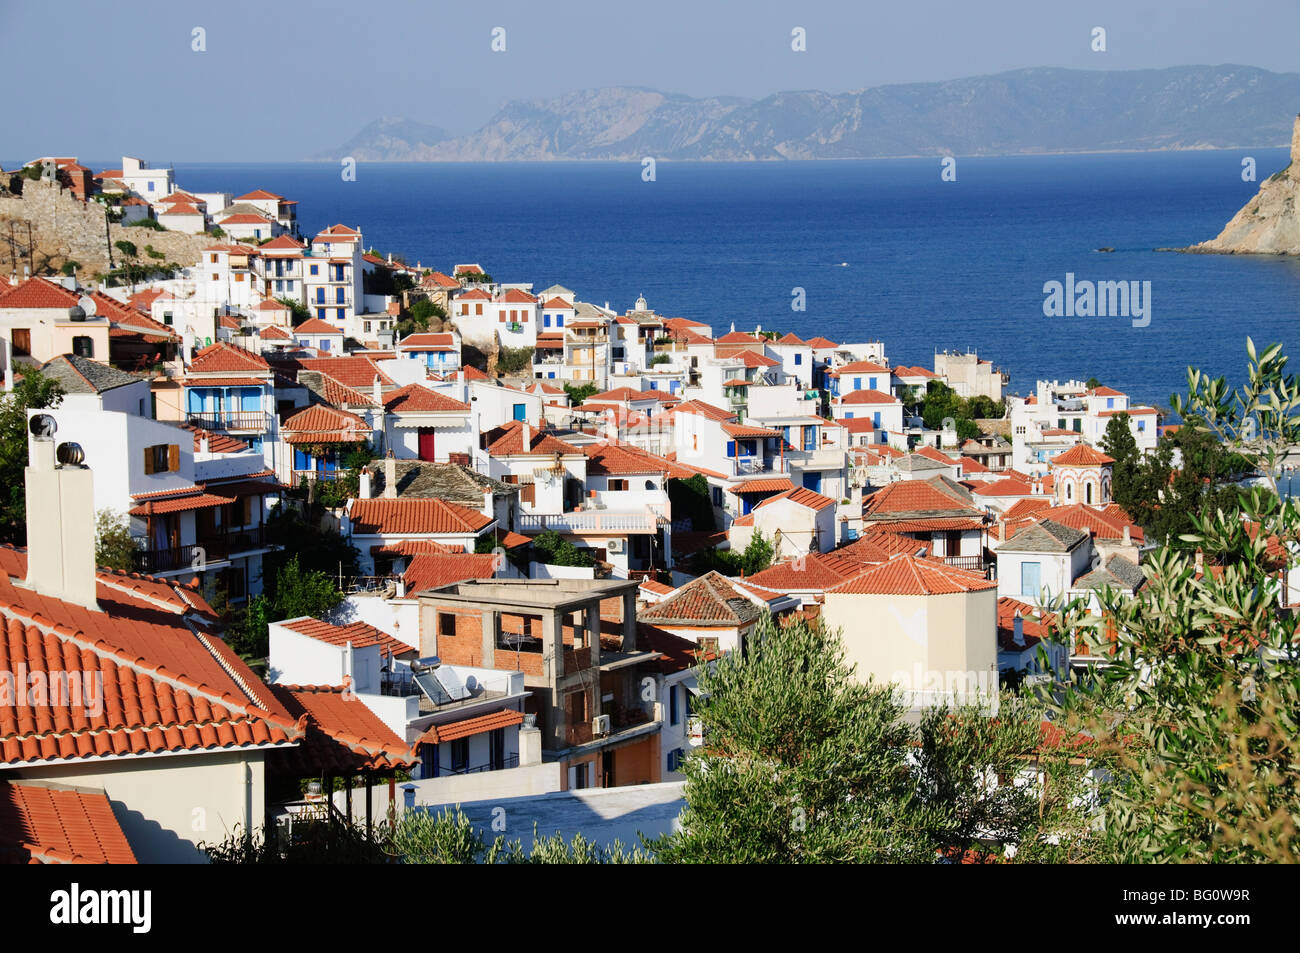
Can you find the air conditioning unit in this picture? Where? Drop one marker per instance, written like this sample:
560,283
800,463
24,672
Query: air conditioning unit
600,725
614,546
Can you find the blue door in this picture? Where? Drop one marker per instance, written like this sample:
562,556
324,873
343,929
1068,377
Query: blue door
1030,579
521,412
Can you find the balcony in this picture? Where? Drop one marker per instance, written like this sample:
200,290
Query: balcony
592,521
620,719
746,466
231,421
972,564
207,550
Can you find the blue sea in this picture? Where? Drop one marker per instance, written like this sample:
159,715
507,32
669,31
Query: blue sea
884,249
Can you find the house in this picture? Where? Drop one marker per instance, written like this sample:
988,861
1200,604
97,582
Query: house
282,211
140,180
938,513
928,626
318,334
181,758
40,320
425,424
320,438
249,226
797,521
885,411
228,389
332,277
712,611
90,385
969,376
577,643
439,352
1042,560
374,523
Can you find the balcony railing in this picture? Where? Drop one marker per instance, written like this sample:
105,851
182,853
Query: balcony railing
255,421
208,549
971,563
748,465
591,521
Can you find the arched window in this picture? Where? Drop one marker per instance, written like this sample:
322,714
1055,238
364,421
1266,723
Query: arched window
1087,493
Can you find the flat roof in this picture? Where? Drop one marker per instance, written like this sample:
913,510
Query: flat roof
536,593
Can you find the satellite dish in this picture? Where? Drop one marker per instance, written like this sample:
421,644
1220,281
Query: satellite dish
87,304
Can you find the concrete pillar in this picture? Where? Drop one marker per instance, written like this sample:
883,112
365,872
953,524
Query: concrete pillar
629,621
491,620
530,746
552,645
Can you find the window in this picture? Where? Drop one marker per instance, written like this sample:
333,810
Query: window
460,754
446,624
320,295
618,484
167,318
520,412
212,258
1030,578
674,712
338,296
366,325
717,496
798,359
320,313
341,314
315,269
559,320
162,458
214,277
83,346
546,320
239,276
1110,402
478,308
1142,426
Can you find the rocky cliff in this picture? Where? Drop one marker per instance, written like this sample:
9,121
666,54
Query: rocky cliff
1269,224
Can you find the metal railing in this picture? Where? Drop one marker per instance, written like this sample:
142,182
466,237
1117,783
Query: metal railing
255,420
509,761
207,549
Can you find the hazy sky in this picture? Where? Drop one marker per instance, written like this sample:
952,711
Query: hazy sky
285,79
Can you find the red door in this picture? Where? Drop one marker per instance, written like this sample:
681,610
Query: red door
426,443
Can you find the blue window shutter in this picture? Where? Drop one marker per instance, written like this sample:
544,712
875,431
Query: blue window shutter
857,383
546,320
848,415
731,448
300,460
871,382
798,359
559,320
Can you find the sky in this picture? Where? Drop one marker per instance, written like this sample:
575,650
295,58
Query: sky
284,80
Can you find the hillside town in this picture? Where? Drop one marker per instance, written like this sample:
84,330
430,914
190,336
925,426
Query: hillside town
543,515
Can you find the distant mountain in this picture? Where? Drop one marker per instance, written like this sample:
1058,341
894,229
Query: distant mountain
1269,224
1023,111
390,139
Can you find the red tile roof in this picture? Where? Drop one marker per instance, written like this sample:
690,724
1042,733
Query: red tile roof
802,496
608,458
223,358
259,194
821,343
360,634
478,725
180,504
275,333
744,431
433,570
217,442
905,575
768,485
700,409
354,371
971,465
915,497
508,440
1105,391
516,296
342,733
807,573
710,599
166,687
752,359
429,342
439,279
418,399
1008,486
321,424
859,367
1021,509
868,396
316,326
41,825
38,293
244,218
283,242
415,517
1081,455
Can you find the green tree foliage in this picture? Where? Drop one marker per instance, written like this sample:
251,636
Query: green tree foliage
1119,443
755,557
419,317
34,392
578,393
114,547
691,499
941,402
514,360
554,550
317,549
801,763
298,312
295,592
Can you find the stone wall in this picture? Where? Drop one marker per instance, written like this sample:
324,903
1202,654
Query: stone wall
65,229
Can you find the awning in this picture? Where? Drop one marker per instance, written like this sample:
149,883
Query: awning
247,488
437,734
200,501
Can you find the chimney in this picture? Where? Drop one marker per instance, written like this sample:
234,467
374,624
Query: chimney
60,518
1018,632
1128,538
390,477
526,435
377,392
487,501
363,487
203,445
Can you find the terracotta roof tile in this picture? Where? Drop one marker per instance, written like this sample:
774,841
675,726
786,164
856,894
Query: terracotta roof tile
802,496
226,358
478,725
508,440
38,293
417,399
1081,455
50,825
906,575
341,731
711,599
322,424
414,517
360,634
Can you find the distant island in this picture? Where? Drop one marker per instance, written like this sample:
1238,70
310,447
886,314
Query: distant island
1026,111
